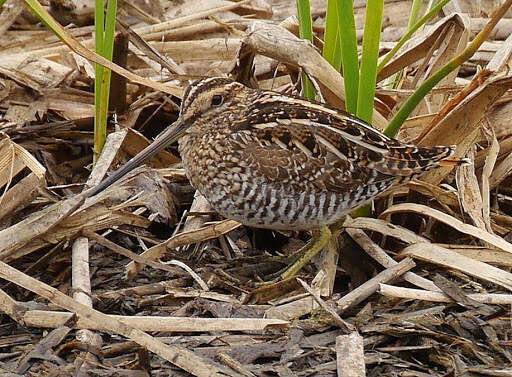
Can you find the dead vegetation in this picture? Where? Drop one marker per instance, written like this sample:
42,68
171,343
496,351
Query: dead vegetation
420,289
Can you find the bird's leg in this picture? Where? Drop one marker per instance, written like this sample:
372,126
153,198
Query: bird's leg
306,253
301,257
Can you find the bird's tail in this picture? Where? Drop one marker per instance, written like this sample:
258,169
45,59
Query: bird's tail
410,160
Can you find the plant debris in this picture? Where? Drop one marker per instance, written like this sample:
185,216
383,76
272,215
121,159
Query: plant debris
145,279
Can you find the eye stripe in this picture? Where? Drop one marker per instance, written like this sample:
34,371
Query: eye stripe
204,85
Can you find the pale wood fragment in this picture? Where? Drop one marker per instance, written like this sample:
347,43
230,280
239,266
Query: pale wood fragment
93,219
350,355
11,9
482,254
292,310
450,259
199,205
81,284
336,318
377,253
20,195
367,289
36,73
501,58
34,227
108,154
452,221
234,364
80,271
50,319
385,228
424,295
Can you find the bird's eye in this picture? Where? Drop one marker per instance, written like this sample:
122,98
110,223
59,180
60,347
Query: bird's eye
217,100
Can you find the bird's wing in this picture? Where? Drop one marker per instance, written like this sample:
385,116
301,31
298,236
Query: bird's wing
319,128
297,158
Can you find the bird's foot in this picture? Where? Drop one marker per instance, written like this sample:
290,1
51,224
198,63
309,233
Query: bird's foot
298,260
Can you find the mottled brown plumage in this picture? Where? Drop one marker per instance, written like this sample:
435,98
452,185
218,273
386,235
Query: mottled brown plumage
276,161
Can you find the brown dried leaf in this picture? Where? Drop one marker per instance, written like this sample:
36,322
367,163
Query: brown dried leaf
35,73
459,126
444,257
469,193
34,227
268,40
418,47
13,160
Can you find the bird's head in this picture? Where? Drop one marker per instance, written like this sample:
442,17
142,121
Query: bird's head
212,103
203,109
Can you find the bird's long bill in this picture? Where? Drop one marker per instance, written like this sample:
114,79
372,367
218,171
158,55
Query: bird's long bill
166,138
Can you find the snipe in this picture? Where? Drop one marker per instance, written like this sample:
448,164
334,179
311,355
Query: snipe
276,161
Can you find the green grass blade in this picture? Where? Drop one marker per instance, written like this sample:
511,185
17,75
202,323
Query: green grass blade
103,75
305,32
99,33
99,25
415,11
332,49
2,2
370,54
368,75
349,58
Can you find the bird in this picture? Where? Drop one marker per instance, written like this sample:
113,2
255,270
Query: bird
282,162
